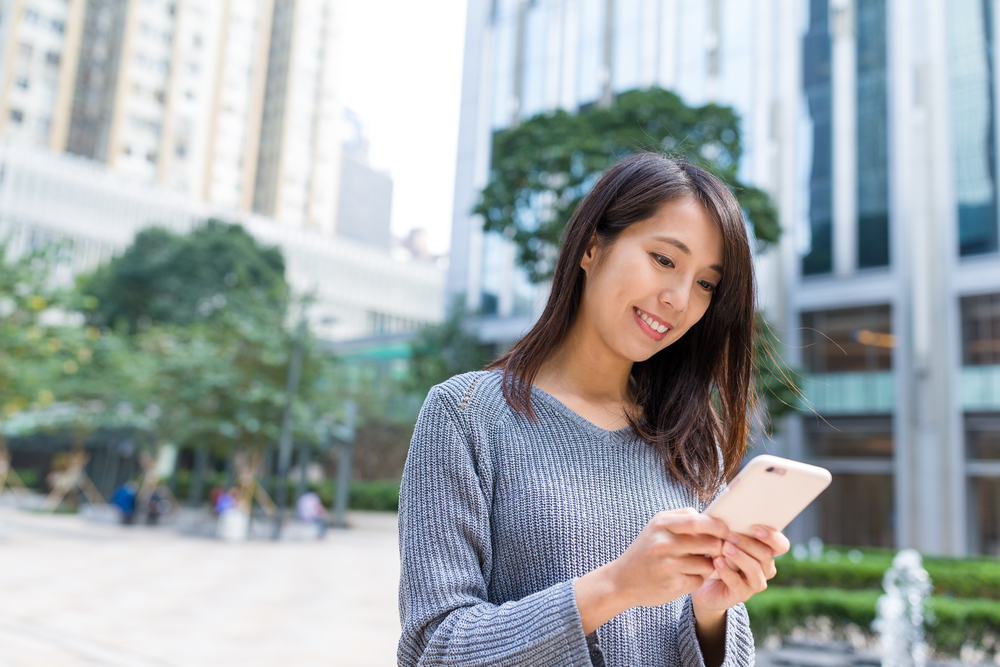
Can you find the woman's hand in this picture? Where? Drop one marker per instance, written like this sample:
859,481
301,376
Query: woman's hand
672,556
745,566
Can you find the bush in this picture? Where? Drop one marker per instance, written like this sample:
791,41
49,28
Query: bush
779,610
382,496
31,477
964,578
184,477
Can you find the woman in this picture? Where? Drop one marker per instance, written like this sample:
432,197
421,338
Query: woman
547,507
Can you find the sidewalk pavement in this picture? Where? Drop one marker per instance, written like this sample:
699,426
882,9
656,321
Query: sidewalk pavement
76,593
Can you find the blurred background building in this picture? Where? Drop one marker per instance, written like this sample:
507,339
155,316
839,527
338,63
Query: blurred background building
186,110
872,123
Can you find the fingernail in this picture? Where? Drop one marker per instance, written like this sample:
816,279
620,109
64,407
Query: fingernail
719,563
729,549
760,532
731,537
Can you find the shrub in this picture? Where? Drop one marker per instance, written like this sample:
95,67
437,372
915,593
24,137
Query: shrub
964,578
363,494
779,610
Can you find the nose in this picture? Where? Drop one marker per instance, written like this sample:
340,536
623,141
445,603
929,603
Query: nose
676,296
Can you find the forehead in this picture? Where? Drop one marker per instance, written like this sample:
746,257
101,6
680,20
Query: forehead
685,220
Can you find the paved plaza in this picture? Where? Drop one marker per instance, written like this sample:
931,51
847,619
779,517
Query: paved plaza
77,593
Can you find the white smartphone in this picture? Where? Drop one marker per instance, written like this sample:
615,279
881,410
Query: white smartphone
769,491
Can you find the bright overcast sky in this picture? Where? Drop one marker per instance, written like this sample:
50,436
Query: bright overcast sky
402,74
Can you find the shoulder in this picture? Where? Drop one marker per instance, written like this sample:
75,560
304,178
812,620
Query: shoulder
470,397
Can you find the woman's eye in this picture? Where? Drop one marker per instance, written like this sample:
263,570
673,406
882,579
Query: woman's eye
665,261
707,285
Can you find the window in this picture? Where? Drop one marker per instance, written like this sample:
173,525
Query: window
25,51
817,86
16,116
984,515
981,330
21,82
873,151
982,437
858,510
52,58
57,26
849,437
973,111
852,339
31,17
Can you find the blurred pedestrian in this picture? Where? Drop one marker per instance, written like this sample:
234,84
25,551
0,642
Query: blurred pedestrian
310,508
124,499
549,504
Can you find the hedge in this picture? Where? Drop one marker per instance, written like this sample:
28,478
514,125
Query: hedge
964,578
362,495
779,610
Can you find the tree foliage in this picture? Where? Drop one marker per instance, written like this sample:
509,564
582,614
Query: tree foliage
543,167
440,351
165,277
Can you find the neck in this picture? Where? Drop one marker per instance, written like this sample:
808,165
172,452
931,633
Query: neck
585,367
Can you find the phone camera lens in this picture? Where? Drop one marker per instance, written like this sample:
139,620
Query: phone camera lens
771,469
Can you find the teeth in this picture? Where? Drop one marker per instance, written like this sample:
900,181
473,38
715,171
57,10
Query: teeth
653,324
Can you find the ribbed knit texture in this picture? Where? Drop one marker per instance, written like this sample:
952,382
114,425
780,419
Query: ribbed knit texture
500,514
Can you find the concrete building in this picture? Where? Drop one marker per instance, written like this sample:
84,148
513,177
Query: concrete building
364,212
360,291
172,93
39,44
298,169
873,125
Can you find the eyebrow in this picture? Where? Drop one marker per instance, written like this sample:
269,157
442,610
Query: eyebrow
684,249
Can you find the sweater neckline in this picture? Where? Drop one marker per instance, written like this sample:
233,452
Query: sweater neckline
577,418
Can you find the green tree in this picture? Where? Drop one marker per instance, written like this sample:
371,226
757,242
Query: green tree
164,277
543,167
442,350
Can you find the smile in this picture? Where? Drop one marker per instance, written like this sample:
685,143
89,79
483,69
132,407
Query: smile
653,327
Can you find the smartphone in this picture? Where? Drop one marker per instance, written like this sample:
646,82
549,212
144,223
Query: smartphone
769,491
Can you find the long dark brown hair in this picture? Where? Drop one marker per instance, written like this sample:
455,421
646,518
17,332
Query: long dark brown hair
701,439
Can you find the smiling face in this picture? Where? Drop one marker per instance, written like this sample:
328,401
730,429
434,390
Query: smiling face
649,287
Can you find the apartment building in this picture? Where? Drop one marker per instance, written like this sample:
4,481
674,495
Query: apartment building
229,102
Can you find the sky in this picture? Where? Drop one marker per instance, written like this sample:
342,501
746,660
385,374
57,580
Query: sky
402,74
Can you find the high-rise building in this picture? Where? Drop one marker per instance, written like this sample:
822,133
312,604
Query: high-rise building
872,123
298,172
38,58
230,102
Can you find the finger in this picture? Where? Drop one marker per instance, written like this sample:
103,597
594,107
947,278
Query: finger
705,545
733,579
759,550
692,523
697,565
774,539
751,568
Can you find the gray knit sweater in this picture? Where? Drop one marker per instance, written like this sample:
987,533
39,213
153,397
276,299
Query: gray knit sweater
499,515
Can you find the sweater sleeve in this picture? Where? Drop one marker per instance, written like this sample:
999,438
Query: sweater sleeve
740,650
446,556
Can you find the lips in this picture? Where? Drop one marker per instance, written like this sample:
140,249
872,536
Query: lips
651,326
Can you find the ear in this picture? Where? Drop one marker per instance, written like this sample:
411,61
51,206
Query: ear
589,255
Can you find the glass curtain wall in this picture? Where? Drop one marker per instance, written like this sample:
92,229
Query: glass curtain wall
857,446
873,156
817,86
973,111
981,348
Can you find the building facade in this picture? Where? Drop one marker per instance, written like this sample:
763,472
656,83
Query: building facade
872,123
361,292
230,102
